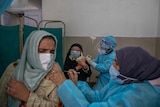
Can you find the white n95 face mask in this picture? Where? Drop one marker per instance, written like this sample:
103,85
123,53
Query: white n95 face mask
45,59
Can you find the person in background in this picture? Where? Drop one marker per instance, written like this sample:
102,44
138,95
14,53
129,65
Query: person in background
134,82
104,60
75,60
29,83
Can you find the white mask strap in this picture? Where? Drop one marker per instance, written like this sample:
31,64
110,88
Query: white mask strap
127,78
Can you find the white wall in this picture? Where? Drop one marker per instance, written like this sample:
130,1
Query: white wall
158,23
126,18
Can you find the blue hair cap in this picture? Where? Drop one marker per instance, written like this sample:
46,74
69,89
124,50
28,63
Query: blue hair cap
108,42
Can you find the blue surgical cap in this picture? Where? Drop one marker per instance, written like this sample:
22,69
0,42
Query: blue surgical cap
108,42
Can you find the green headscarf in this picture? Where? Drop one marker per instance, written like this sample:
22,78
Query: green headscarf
29,70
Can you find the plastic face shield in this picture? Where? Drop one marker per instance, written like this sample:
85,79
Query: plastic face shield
102,44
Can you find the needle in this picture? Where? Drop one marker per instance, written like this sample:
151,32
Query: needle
75,71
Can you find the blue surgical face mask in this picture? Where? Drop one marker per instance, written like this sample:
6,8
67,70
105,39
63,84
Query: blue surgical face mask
101,51
114,73
75,54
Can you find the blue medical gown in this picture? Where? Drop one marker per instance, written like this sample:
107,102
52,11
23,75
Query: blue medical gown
103,63
112,95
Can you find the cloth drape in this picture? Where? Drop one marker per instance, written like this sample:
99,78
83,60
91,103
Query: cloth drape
4,4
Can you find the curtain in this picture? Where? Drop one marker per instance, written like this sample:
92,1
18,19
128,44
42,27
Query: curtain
9,46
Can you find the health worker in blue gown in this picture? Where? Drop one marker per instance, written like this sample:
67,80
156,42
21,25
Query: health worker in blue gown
104,60
134,82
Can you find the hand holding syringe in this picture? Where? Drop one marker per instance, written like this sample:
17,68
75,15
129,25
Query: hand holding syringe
73,75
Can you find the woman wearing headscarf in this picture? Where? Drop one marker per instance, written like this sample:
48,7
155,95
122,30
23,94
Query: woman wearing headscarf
134,82
104,60
31,85
75,60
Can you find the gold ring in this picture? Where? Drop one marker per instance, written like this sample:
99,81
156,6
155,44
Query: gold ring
53,71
